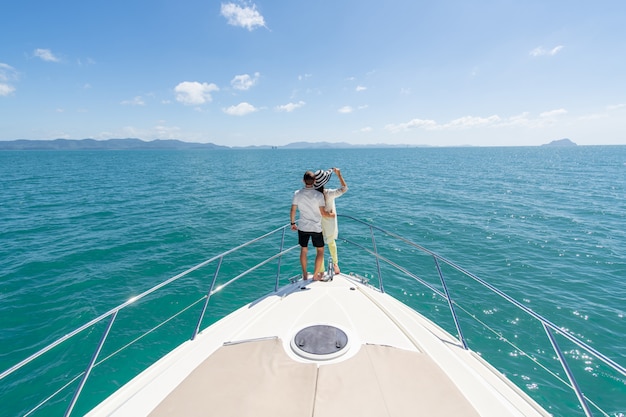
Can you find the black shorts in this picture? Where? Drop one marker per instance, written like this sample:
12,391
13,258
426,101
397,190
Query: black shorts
316,238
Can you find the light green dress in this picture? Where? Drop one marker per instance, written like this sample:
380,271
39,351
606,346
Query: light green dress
329,224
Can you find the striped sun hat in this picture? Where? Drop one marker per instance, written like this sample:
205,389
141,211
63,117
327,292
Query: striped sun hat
322,177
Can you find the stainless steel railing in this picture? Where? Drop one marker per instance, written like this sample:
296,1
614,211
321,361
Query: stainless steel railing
112,314
549,327
110,317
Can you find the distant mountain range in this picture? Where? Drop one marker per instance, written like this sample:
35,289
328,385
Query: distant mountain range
110,144
137,144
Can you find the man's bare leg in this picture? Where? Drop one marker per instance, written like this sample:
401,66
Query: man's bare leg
303,255
319,263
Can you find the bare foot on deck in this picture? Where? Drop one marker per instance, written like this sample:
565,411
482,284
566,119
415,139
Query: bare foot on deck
337,271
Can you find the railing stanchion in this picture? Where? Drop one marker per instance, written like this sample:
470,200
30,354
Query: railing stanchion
568,371
450,303
380,276
208,296
282,244
90,366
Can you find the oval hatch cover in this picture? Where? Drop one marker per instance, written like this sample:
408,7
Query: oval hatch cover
320,340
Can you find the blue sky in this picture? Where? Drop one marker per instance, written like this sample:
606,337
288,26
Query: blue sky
442,73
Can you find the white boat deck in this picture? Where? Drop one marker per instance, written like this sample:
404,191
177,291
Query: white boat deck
396,363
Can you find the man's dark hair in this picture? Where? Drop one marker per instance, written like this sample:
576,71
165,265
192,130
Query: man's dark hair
309,178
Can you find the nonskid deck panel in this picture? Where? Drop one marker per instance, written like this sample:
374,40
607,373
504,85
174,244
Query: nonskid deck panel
257,378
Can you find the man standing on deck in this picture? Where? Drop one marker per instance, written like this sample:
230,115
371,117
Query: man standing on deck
310,203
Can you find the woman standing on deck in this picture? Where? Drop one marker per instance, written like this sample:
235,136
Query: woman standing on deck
330,229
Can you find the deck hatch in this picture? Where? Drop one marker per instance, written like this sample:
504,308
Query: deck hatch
320,342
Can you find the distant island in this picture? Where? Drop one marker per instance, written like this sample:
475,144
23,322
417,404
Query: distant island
560,142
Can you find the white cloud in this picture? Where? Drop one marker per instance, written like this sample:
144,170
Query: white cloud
517,120
465,122
7,76
541,51
304,77
366,129
240,109
6,72
553,113
46,55
471,122
194,93
289,107
88,61
6,89
346,110
616,107
244,82
596,116
360,88
163,131
412,124
246,17
137,101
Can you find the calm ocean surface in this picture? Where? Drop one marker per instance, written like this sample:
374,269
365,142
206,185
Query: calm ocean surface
83,231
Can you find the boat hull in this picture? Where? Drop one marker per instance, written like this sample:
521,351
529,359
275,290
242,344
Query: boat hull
391,362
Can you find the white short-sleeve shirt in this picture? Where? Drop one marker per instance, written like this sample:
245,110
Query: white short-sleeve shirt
309,201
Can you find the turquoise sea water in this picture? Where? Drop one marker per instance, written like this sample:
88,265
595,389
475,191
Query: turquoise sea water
82,231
